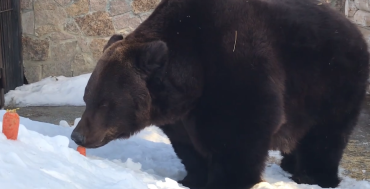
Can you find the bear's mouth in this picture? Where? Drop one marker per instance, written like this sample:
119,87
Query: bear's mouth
97,144
108,139
100,144
123,136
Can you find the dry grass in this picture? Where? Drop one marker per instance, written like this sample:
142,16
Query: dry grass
355,161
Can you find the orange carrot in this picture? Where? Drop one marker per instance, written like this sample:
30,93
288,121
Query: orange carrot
82,150
11,124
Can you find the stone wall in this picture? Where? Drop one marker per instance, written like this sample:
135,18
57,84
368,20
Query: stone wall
66,37
358,11
335,4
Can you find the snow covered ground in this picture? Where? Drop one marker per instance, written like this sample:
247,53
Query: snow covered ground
45,157
50,91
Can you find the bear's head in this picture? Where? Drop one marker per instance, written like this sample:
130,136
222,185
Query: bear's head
118,101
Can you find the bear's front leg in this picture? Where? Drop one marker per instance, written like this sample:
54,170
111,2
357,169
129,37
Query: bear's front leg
237,136
195,164
238,165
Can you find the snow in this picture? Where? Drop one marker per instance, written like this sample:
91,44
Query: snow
45,153
44,156
50,91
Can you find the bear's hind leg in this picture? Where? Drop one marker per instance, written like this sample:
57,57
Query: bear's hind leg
318,157
319,153
195,164
288,162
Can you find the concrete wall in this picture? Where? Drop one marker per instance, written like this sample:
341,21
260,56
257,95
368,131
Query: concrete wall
66,37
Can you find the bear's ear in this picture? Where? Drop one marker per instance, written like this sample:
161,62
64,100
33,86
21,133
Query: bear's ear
112,40
152,55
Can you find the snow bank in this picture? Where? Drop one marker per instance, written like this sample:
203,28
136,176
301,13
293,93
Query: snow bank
45,157
51,91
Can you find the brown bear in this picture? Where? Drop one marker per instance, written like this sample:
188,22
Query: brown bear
229,80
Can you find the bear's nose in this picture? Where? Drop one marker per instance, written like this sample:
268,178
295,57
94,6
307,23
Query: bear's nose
78,138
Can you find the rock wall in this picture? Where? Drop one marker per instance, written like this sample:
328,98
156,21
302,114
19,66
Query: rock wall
358,11
66,37
335,4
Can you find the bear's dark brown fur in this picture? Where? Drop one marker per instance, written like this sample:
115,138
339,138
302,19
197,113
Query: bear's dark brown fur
229,80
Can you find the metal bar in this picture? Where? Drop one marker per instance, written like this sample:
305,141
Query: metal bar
6,10
19,57
20,47
6,45
2,95
2,55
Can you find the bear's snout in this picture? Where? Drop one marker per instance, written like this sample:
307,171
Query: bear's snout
78,138
89,133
